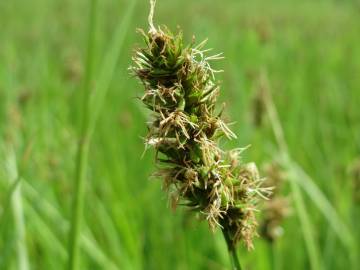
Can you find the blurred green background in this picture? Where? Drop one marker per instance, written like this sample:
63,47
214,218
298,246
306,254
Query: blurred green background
310,53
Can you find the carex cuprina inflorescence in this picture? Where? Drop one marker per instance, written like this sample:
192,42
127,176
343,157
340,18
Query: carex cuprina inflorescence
181,91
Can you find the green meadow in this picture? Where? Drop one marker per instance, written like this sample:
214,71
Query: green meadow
305,54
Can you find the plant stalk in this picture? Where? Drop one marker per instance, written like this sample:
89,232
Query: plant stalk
271,255
83,148
232,251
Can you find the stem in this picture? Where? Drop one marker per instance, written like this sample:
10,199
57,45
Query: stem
232,251
271,255
83,149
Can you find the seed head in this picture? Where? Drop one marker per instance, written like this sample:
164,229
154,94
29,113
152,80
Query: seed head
181,92
277,208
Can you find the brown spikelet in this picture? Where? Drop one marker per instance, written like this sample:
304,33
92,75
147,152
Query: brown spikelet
277,207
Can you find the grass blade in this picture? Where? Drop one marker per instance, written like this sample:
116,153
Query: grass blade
87,242
18,212
7,203
306,226
45,233
325,207
109,65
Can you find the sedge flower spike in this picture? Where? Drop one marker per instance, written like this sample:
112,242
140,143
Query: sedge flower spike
181,92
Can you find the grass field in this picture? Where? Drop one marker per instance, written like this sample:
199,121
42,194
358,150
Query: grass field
306,53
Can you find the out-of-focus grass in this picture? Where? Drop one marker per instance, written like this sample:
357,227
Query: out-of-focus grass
311,54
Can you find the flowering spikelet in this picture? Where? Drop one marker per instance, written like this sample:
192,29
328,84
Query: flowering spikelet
181,91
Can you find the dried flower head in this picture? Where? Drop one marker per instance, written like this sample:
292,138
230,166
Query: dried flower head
277,208
181,91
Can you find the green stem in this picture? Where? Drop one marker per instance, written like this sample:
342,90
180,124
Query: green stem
271,255
232,251
83,149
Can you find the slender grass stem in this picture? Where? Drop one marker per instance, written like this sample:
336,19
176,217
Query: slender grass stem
83,147
271,255
232,251
275,264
